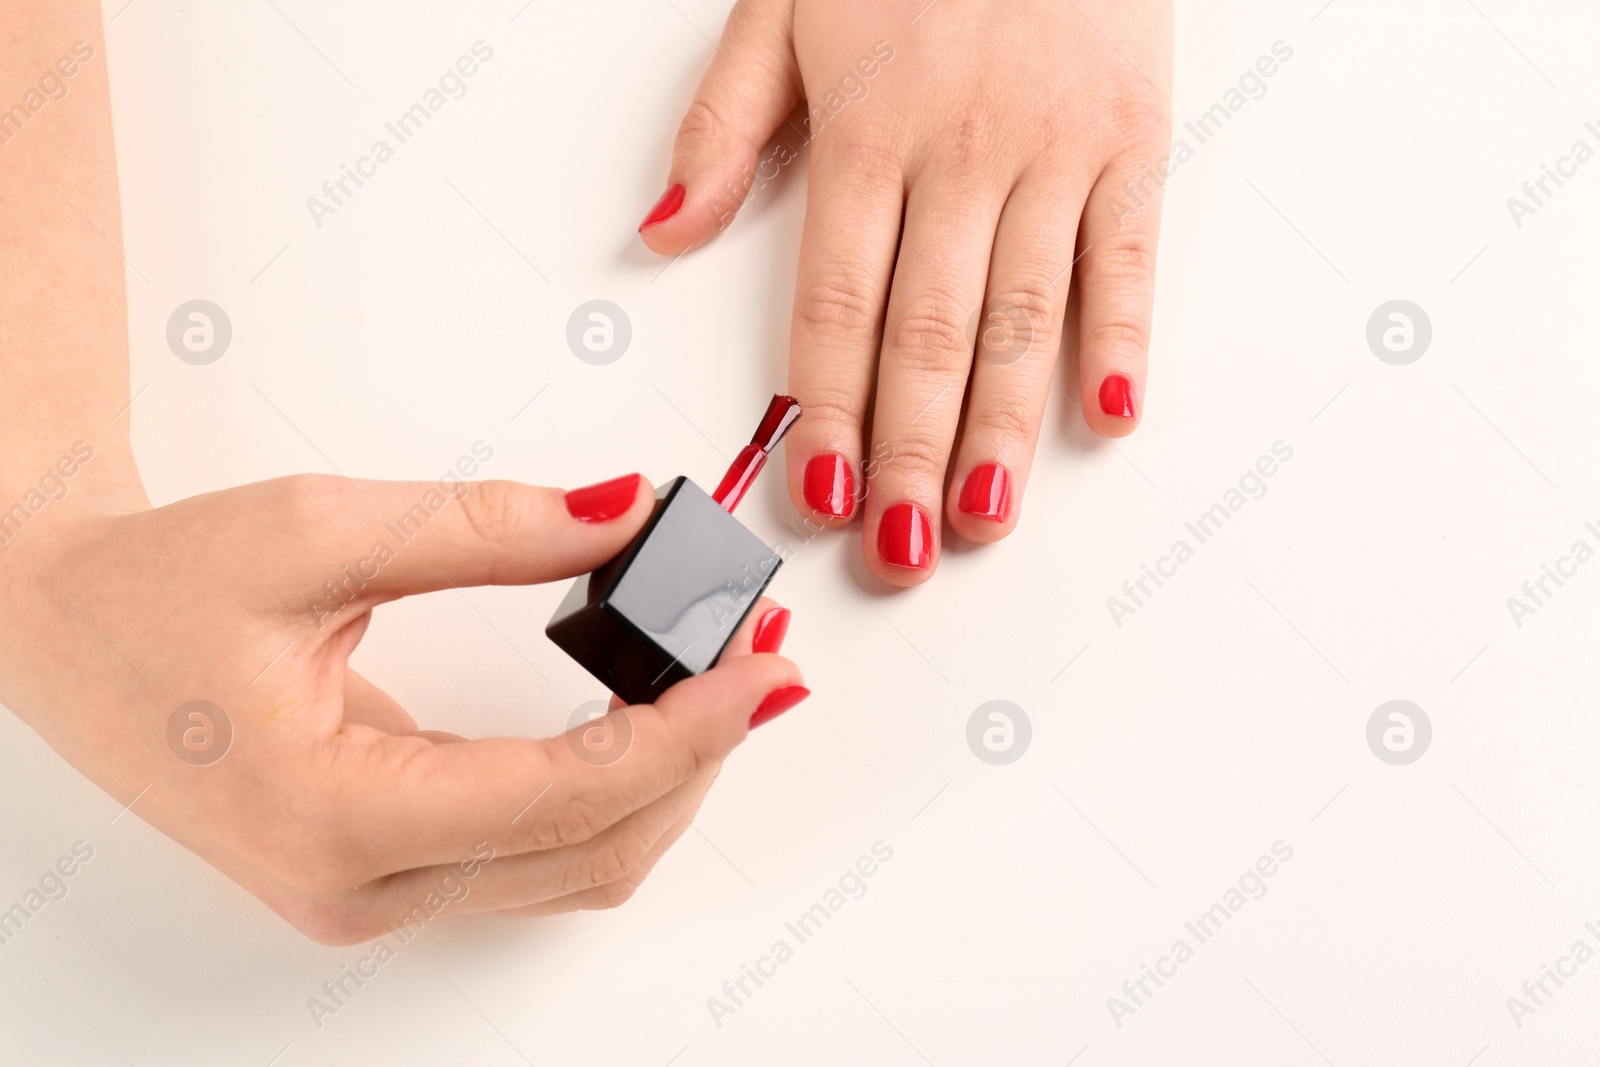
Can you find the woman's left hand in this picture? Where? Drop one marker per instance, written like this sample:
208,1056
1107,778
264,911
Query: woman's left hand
967,158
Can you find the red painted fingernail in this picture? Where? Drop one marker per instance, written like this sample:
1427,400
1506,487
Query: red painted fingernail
606,501
829,485
1116,396
904,537
665,208
987,493
770,631
778,701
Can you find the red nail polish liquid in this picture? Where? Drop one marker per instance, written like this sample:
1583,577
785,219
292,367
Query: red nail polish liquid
781,414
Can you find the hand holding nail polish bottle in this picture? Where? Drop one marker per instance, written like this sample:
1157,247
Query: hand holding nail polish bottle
665,607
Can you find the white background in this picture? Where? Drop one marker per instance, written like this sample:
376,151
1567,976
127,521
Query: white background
1167,754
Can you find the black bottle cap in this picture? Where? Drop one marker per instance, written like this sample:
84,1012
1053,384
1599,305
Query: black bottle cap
665,608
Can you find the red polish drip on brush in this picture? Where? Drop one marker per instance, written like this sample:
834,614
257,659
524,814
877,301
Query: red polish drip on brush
781,414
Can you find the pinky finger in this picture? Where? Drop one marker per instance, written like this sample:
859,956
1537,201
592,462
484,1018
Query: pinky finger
1117,280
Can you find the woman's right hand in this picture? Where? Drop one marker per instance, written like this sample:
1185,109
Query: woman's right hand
329,803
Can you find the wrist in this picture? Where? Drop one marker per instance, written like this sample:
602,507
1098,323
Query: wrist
41,492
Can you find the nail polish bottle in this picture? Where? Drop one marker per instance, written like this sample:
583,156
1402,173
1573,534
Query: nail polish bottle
666,606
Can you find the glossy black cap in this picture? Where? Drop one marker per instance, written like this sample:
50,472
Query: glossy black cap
665,608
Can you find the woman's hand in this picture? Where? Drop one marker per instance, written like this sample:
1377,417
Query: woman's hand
967,158
328,802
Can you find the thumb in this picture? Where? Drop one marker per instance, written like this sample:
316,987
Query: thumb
378,541
753,84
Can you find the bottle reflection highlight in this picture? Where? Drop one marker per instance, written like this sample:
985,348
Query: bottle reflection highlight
666,606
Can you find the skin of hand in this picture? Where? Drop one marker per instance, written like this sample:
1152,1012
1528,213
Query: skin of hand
969,160
328,803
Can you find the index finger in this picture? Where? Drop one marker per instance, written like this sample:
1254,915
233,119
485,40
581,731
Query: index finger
852,227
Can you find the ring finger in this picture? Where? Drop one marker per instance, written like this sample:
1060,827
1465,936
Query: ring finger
1019,338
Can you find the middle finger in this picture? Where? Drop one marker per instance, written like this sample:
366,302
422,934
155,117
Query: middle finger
922,375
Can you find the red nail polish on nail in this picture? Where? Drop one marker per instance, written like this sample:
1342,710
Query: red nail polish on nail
987,493
1116,396
770,631
778,701
665,208
829,486
904,537
606,501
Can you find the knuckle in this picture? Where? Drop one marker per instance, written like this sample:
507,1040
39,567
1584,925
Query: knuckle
840,304
917,454
1120,333
1130,256
836,406
866,151
1033,301
1005,420
1134,115
616,856
1035,296
931,336
702,124
967,141
574,822
496,510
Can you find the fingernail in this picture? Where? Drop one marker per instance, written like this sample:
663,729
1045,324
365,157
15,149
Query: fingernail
987,493
778,701
904,537
606,501
772,628
1116,396
665,208
829,486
